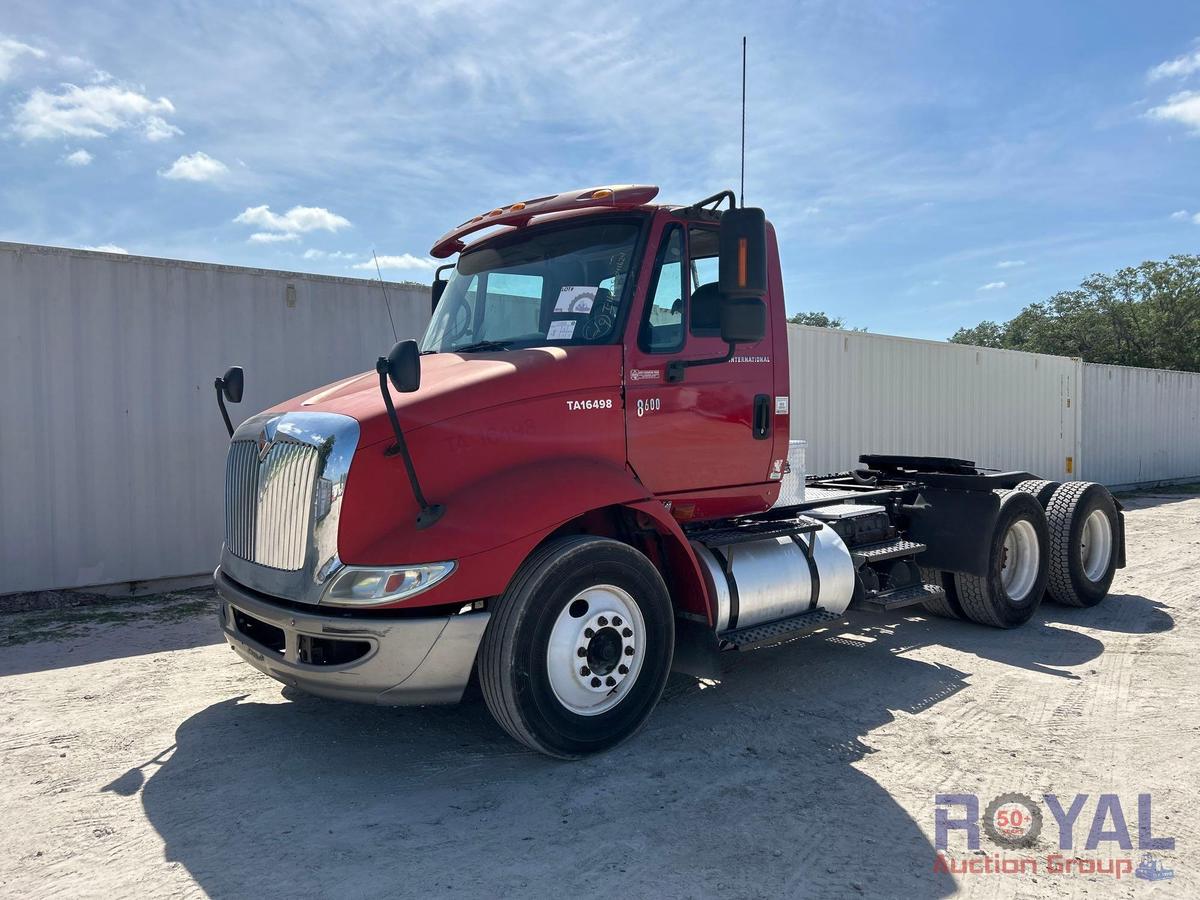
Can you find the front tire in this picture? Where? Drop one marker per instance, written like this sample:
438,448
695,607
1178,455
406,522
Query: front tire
1018,567
579,647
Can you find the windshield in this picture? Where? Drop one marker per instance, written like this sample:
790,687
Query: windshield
557,286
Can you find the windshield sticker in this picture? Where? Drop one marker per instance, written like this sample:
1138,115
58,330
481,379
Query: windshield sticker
561,330
575,299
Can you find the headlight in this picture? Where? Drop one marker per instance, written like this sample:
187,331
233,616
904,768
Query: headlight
367,587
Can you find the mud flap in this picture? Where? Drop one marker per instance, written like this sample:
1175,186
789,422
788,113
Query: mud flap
697,650
955,527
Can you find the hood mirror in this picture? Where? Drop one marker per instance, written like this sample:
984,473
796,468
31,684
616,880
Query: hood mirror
232,384
229,387
403,366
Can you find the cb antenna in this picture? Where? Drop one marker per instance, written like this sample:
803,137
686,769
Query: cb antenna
742,200
386,302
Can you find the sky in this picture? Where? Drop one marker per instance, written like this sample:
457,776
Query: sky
927,165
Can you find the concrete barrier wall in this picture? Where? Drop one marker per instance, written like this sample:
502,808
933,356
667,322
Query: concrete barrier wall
1140,425
112,451
856,393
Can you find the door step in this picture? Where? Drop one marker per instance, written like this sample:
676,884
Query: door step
753,636
886,601
746,531
885,550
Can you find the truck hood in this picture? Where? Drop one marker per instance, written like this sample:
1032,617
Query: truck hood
455,384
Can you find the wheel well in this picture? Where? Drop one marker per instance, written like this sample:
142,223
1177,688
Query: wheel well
671,556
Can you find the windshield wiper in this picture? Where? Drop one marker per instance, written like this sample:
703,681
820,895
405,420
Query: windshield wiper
480,345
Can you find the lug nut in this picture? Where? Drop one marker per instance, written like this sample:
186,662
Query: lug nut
595,682
624,670
610,681
617,621
627,633
588,633
581,652
602,621
584,670
629,651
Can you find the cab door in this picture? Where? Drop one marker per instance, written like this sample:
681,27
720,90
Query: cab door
705,426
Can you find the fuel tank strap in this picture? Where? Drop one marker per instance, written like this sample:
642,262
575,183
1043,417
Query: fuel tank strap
721,553
814,573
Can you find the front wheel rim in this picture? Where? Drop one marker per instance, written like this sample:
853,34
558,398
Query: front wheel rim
1095,545
1022,556
596,649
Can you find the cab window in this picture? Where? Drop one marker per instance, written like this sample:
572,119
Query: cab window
704,303
662,326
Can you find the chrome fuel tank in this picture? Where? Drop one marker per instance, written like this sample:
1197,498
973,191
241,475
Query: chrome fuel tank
760,581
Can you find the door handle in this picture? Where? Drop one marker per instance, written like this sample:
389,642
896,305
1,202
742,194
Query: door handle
762,417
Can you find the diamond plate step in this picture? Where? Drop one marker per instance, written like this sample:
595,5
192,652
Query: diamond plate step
780,630
905,596
873,553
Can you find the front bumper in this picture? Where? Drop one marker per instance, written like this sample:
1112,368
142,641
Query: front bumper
405,662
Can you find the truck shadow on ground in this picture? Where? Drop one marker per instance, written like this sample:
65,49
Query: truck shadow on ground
744,787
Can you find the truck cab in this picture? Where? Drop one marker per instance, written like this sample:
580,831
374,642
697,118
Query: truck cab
578,467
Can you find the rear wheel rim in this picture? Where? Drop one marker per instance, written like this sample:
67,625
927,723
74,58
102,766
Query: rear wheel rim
1095,545
596,649
1021,559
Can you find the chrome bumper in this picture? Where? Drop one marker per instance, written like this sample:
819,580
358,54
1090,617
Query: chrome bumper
410,662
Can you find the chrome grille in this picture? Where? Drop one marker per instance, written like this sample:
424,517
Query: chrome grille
241,497
269,502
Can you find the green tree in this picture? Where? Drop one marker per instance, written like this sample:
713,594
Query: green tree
820,320
1147,315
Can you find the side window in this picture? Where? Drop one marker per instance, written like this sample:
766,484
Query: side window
704,305
662,327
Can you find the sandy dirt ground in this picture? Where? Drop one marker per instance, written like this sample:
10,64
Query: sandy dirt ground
140,758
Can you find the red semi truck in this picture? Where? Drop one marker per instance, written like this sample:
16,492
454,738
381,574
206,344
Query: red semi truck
582,478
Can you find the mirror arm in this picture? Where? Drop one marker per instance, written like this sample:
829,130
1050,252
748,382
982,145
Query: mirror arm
429,513
676,367
219,384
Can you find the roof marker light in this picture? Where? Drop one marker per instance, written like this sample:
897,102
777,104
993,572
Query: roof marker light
517,207
602,194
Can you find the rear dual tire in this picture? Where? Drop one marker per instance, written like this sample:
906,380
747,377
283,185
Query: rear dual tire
1085,539
1018,566
579,647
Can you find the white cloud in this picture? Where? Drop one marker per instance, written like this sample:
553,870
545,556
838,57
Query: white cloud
94,111
313,253
197,166
1196,218
107,248
272,237
403,261
288,227
1179,67
78,158
10,51
1179,214
1183,108
993,286
1010,263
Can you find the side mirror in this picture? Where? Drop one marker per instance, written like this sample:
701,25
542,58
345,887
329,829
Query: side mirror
403,366
743,320
232,384
743,253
